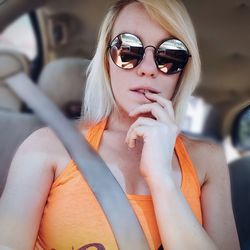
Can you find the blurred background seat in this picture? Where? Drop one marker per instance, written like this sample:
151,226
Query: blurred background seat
239,169
240,185
62,80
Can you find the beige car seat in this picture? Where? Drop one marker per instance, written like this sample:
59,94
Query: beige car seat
63,81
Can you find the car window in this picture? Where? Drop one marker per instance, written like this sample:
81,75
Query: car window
195,116
20,36
244,130
241,130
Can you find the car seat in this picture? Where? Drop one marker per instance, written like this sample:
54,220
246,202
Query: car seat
240,188
63,81
239,170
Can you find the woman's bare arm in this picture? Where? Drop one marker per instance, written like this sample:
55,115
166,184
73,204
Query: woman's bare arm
178,227
21,205
216,200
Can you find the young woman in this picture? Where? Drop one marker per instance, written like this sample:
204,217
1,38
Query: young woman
139,81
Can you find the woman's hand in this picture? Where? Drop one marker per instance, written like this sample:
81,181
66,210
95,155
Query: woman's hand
159,136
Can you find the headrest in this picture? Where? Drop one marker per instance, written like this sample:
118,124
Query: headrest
63,81
11,62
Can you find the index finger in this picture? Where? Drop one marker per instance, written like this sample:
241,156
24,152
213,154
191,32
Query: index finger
165,103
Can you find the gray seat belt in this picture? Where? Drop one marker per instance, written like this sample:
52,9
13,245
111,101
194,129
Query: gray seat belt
124,223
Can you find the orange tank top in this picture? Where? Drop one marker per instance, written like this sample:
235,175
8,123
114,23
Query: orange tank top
73,219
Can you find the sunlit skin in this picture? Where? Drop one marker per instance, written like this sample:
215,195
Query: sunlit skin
142,117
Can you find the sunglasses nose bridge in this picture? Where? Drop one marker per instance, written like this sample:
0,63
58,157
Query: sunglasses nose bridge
150,46
148,65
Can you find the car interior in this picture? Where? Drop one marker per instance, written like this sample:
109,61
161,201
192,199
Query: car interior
53,41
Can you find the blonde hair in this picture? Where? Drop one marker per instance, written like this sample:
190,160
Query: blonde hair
172,15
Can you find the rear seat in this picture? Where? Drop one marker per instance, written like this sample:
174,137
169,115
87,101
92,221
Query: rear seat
63,80
239,170
240,184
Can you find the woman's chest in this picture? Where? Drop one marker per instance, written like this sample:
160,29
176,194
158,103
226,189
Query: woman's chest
73,219
125,165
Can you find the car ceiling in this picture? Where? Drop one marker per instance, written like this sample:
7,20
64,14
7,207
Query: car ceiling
222,29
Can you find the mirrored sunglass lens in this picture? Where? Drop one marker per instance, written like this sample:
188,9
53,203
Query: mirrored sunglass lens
172,56
126,51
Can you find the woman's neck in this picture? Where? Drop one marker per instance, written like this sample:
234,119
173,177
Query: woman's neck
119,122
118,126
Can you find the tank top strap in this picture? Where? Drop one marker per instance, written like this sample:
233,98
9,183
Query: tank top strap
189,173
94,133
93,136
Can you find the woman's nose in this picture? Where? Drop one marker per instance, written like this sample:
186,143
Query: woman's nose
148,67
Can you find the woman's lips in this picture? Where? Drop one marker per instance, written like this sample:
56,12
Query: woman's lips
140,95
145,89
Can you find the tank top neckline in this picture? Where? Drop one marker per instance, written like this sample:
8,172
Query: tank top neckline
94,136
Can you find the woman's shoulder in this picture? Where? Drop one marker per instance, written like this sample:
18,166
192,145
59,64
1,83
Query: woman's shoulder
206,155
46,139
81,126
201,144
44,142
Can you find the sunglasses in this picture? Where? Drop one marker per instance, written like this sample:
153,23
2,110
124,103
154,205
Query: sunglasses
127,51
